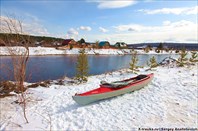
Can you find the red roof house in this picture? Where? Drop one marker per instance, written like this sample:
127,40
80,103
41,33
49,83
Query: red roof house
69,42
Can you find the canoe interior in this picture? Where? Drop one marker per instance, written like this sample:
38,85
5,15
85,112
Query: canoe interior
105,89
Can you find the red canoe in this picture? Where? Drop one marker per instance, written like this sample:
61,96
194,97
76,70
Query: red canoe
108,90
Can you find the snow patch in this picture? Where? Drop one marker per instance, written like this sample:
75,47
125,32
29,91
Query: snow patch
4,51
170,100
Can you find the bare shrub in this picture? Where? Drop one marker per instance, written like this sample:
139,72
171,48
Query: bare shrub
17,44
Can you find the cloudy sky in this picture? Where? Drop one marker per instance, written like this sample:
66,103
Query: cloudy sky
131,21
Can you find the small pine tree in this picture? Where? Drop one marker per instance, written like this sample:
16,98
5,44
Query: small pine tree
152,62
194,57
161,47
182,59
167,50
147,49
82,66
133,63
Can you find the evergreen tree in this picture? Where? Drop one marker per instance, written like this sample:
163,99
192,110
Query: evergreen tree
182,59
147,49
81,41
150,47
82,66
152,62
133,63
194,56
161,47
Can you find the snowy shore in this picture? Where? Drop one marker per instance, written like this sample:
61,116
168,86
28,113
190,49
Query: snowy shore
53,51
169,101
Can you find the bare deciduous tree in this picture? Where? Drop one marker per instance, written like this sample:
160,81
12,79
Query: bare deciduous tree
17,44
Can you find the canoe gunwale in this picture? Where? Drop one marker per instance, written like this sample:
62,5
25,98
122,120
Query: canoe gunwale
116,89
87,99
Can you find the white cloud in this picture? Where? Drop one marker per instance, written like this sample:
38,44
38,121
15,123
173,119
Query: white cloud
33,28
166,25
176,11
72,33
166,22
103,29
109,4
129,27
179,31
86,28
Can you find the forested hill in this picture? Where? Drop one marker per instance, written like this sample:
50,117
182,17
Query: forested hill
189,46
35,39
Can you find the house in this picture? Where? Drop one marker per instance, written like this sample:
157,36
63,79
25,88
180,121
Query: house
90,44
104,44
120,45
67,42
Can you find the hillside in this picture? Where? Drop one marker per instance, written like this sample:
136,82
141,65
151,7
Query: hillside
35,40
46,41
188,46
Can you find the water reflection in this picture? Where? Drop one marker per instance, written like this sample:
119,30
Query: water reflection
53,67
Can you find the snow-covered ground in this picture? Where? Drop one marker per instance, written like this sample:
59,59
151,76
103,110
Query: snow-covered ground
54,51
169,101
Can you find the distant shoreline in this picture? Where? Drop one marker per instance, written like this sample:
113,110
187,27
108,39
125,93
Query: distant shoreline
47,51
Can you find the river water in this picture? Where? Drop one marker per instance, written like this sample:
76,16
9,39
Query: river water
41,68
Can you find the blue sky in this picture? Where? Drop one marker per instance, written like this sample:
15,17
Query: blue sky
131,21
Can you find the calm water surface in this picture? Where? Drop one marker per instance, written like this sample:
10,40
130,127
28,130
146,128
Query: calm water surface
54,67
